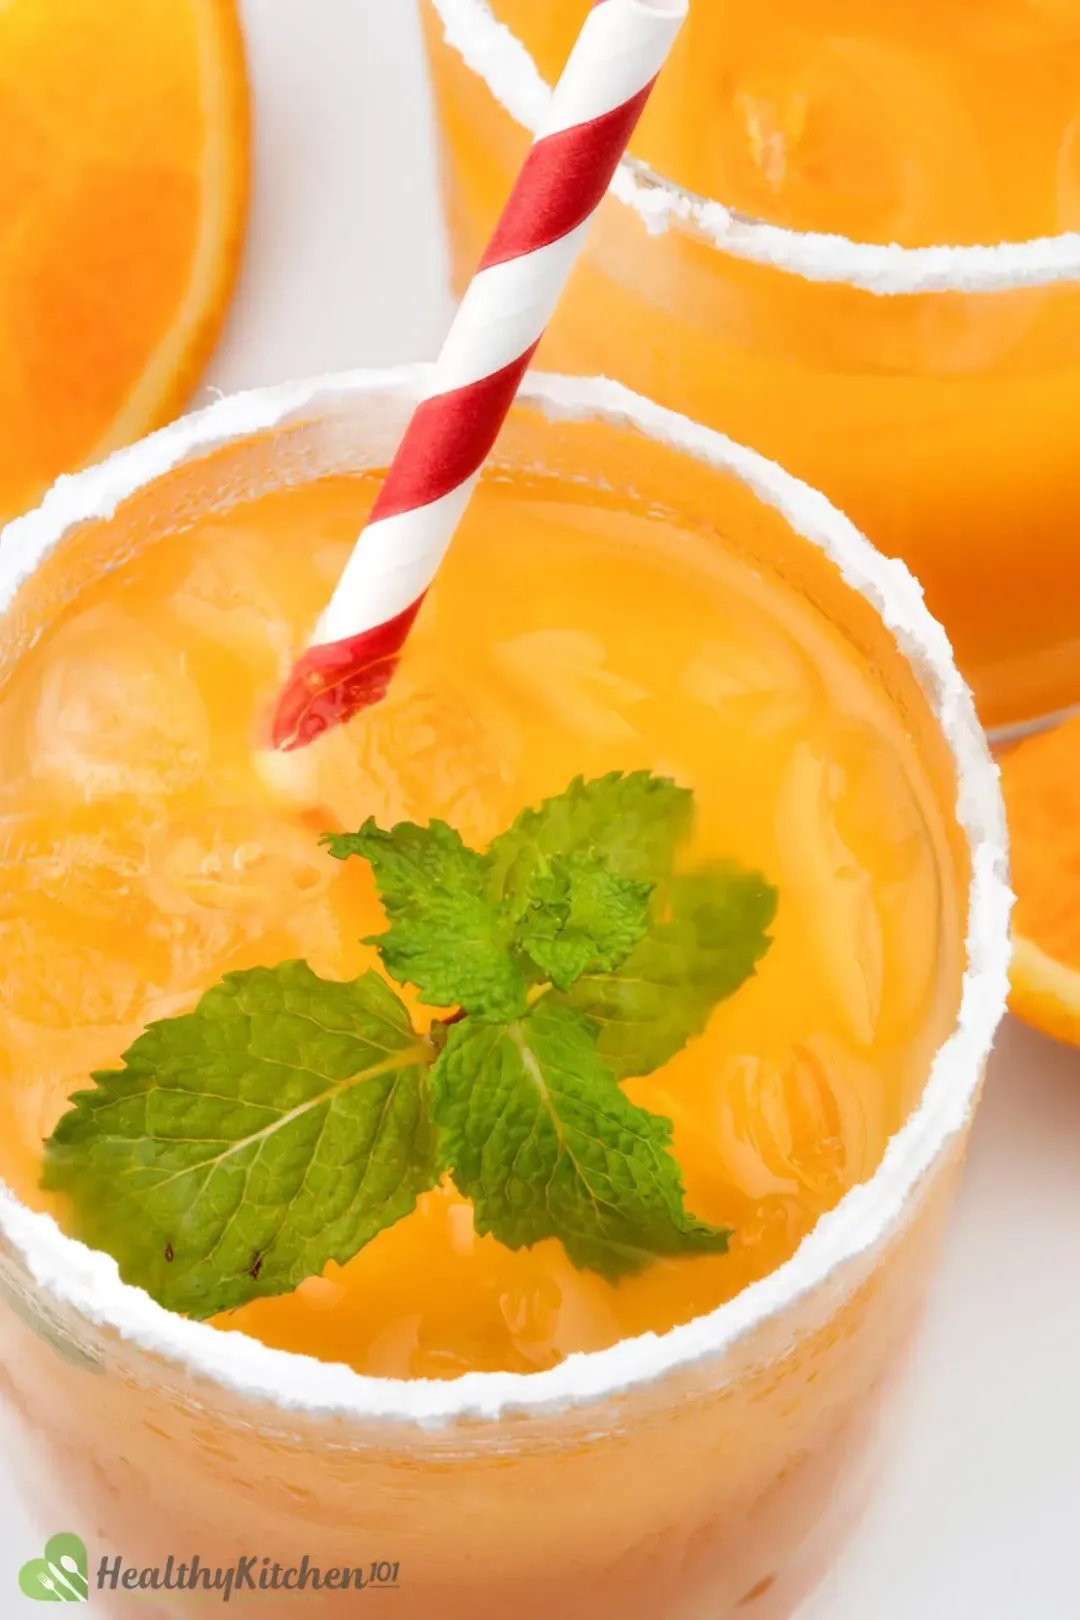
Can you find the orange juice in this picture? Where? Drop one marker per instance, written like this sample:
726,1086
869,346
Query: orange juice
775,273
144,857
612,602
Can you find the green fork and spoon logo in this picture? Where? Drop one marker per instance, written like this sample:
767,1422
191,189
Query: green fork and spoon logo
61,1574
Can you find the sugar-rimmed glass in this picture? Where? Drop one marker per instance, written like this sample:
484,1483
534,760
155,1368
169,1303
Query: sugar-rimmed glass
706,1471
930,391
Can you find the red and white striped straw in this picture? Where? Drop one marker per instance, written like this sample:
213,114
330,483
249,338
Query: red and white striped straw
594,110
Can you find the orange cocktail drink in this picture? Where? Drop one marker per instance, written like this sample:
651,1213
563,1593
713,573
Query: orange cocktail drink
501,1412
846,235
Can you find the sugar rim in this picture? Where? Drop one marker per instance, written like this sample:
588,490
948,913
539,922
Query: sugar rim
89,1280
493,52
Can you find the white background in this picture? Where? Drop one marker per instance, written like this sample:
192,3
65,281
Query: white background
979,1515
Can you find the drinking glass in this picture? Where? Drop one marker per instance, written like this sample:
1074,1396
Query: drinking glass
708,1471
931,391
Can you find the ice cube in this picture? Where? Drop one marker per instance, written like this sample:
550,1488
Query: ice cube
802,1120
240,859
391,1353
321,1293
237,594
831,889
76,925
551,1310
116,712
226,879
530,1311
586,1319
425,751
753,678
566,673
58,980
880,817
77,858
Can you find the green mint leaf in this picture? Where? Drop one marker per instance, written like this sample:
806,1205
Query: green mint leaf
538,1134
712,937
635,822
581,915
282,1124
447,936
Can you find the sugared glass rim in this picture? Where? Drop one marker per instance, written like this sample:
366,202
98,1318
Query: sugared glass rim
491,50
89,1281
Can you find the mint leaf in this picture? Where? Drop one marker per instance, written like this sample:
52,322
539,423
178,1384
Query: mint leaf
540,1137
446,936
662,994
280,1125
636,822
580,915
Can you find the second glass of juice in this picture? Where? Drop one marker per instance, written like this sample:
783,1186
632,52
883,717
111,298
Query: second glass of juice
509,1434
847,234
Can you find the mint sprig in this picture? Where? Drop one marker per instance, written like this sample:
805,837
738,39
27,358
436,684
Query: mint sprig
289,1119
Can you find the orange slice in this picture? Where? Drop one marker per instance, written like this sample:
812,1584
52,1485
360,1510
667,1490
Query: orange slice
1041,780
123,187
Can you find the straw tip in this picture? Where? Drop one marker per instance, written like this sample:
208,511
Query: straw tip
329,684
334,680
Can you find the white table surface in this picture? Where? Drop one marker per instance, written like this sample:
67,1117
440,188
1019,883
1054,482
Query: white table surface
979,1514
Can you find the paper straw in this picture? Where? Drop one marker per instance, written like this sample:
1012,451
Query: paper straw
511,299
